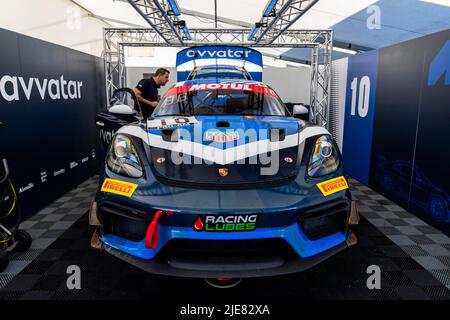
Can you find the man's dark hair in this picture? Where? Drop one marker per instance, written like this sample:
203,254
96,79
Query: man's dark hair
161,71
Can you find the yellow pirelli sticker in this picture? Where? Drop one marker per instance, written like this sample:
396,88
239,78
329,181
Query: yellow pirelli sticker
334,185
118,187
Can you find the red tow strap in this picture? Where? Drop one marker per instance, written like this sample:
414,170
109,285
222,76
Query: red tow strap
152,237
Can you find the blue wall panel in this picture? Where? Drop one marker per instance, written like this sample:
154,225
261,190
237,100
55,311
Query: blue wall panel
359,114
398,143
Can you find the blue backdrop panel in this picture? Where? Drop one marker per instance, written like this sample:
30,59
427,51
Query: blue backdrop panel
410,148
359,114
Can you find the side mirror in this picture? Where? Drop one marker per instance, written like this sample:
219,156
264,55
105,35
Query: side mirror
122,109
300,109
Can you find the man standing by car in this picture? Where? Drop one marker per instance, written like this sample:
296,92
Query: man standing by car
147,91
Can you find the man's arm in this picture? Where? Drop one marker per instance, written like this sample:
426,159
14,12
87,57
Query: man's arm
141,98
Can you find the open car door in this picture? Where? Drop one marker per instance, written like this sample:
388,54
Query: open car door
124,108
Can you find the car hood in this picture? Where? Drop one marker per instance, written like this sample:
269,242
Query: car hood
210,150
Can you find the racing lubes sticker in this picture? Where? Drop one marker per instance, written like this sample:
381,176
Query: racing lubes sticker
225,223
167,123
333,185
118,187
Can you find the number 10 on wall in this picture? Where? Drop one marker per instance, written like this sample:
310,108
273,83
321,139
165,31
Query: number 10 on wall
361,94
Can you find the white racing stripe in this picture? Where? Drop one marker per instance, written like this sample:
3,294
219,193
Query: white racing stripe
223,156
134,131
311,132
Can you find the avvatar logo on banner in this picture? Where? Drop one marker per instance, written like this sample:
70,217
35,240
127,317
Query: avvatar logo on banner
219,52
13,88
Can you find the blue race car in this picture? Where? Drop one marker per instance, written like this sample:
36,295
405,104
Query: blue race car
221,181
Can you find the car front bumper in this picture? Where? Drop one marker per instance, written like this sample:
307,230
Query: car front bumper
304,252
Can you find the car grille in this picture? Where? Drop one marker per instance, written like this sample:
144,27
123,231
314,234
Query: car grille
259,253
225,186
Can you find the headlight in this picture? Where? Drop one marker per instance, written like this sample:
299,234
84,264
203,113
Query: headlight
123,159
324,159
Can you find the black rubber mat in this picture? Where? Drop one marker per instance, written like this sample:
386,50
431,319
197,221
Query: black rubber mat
341,277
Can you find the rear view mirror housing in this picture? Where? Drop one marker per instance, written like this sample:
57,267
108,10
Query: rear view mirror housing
124,102
299,109
122,109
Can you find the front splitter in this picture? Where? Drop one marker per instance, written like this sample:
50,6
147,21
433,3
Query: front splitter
205,270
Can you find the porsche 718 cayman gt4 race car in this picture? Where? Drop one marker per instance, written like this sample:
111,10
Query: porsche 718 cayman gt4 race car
221,181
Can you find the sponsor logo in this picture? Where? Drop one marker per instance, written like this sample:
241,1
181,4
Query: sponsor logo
167,123
118,187
73,164
86,159
106,136
223,172
225,223
59,172
226,54
332,186
257,88
28,187
56,89
43,176
220,136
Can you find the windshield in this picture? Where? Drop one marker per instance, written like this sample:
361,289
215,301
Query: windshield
228,98
218,74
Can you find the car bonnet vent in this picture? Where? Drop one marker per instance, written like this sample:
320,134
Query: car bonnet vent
169,135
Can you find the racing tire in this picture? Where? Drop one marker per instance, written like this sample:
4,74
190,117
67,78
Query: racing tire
4,261
23,240
438,208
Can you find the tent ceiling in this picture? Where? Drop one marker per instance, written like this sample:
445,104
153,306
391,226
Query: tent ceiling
400,19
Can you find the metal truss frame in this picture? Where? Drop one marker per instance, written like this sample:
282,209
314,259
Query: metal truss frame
283,15
155,12
320,41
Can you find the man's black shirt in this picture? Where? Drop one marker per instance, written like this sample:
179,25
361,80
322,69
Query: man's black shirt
149,90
